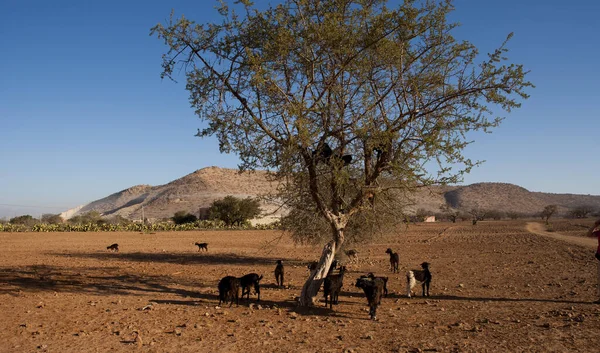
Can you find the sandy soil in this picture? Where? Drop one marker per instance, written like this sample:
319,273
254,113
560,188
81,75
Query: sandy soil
496,288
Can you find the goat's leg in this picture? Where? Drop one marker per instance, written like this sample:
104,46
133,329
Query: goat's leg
373,312
410,283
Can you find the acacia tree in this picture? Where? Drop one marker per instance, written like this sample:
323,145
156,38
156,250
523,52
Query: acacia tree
336,96
548,211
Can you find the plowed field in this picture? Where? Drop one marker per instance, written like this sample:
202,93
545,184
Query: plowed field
496,288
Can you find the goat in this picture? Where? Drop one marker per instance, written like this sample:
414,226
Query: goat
249,280
384,279
229,288
312,266
394,259
352,254
202,246
373,288
332,287
423,276
279,273
114,247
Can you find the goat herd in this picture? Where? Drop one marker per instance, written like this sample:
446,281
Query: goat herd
373,286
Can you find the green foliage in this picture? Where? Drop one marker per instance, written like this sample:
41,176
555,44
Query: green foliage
347,100
132,227
234,211
52,218
183,217
86,218
26,220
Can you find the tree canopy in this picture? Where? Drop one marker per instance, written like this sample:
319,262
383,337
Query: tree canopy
234,211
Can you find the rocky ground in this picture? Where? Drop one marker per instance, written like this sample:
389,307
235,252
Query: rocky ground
496,288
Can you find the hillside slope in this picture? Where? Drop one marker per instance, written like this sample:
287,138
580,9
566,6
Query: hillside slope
199,189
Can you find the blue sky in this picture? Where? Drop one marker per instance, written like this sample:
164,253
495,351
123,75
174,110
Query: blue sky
84,113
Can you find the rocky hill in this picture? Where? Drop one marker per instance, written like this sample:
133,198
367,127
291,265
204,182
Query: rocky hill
192,193
198,190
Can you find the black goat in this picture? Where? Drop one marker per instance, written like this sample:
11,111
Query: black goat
279,273
423,276
312,266
332,287
394,259
385,281
229,288
325,153
202,246
114,247
374,289
249,280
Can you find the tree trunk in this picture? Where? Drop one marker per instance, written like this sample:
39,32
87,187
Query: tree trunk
313,283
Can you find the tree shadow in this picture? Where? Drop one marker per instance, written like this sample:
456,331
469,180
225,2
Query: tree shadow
42,278
181,258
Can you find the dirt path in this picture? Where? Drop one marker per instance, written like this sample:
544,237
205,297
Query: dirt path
538,228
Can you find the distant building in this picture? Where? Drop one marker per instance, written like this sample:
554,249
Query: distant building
429,219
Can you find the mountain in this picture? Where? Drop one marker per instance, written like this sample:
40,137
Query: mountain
190,193
196,191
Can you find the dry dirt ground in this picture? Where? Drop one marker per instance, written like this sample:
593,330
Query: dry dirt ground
496,288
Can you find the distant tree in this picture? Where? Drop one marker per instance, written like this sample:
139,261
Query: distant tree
421,214
548,212
119,220
495,214
477,214
449,212
182,217
513,215
234,211
581,211
52,218
93,217
27,220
